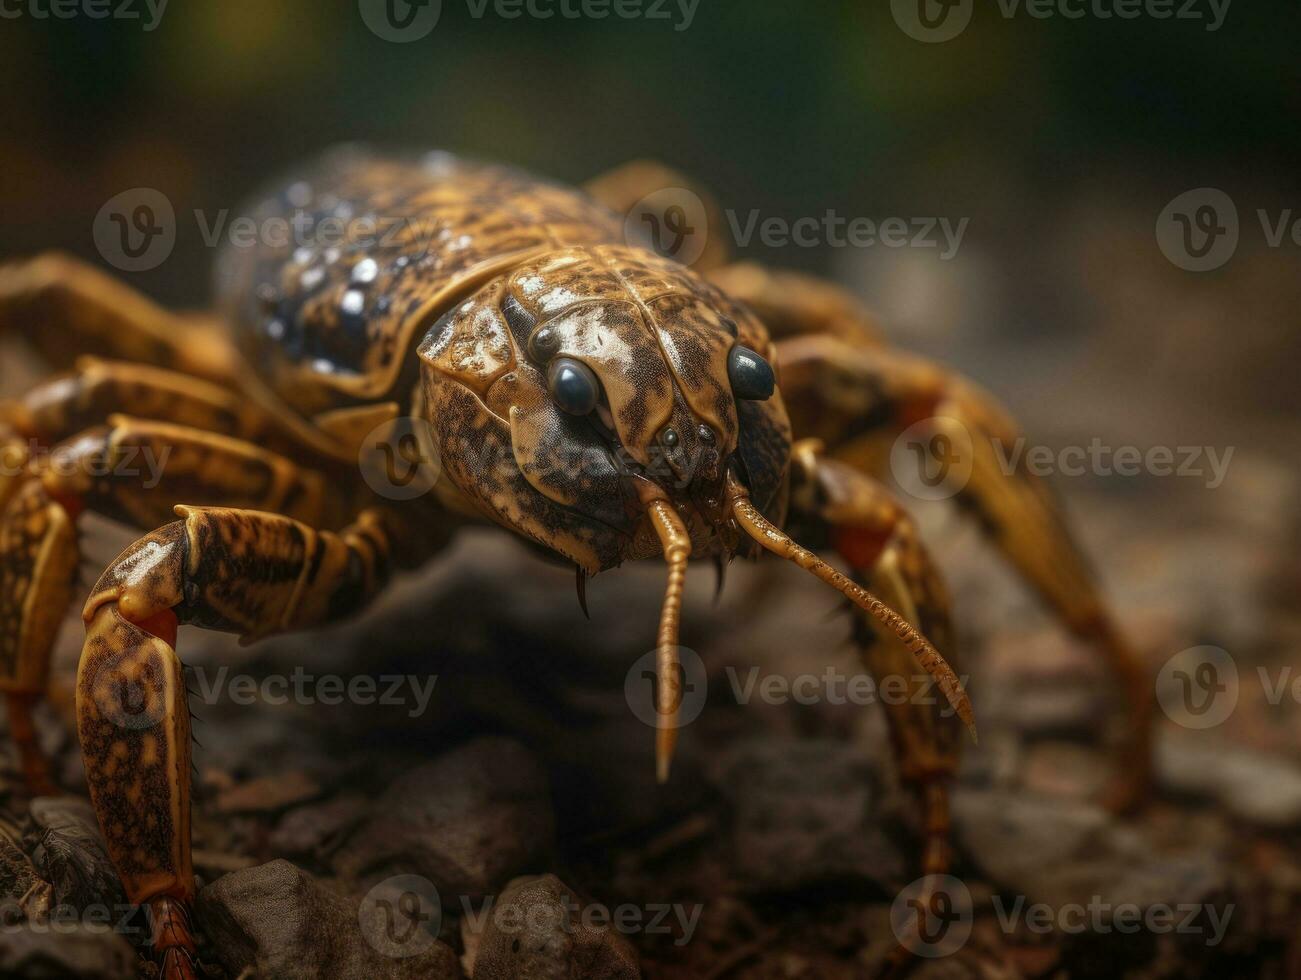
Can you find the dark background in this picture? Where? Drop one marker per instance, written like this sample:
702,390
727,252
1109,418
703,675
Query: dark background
1061,140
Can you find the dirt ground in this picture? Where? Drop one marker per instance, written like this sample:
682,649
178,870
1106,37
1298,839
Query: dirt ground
781,841
484,778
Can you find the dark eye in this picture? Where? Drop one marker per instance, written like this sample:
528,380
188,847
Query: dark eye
573,385
752,379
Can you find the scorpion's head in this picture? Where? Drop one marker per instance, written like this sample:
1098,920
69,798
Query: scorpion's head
576,395
610,405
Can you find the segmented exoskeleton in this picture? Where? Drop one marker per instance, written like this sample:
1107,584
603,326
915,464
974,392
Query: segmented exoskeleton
602,401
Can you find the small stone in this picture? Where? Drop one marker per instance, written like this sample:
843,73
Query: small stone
805,811
1261,789
537,930
317,828
1078,861
1065,769
73,952
469,821
72,855
281,922
268,794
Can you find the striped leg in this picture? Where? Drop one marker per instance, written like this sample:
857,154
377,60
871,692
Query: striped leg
131,471
859,399
232,570
835,507
66,308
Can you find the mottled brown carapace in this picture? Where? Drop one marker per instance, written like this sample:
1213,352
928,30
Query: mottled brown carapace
601,401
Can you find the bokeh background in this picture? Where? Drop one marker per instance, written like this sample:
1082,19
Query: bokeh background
1060,141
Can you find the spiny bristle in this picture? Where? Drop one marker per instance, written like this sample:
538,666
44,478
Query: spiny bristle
775,540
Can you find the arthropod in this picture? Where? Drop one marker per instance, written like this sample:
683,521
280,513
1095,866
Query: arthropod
603,402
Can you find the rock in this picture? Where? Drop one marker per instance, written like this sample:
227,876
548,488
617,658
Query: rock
538,930
317,828
73,952
280,921
71,853
1079,862
1261,789
806,811
468,821
268,794
1065,769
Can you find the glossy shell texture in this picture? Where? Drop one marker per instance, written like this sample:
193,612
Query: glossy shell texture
352,257
456,284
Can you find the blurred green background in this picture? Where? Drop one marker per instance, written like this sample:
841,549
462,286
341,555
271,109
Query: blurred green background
1060,139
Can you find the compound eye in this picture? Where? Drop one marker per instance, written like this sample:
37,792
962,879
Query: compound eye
751,376
573,386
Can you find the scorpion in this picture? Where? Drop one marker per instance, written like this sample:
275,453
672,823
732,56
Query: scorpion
600,400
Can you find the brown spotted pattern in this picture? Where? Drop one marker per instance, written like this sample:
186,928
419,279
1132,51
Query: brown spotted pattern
134,726
39,545
240,571
135,471
655,336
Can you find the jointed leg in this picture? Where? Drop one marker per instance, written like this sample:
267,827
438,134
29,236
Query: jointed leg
836,507
132,471
67,308
237,571
792,303
38,566
860,399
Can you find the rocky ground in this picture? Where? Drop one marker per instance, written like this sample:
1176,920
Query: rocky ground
515,805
